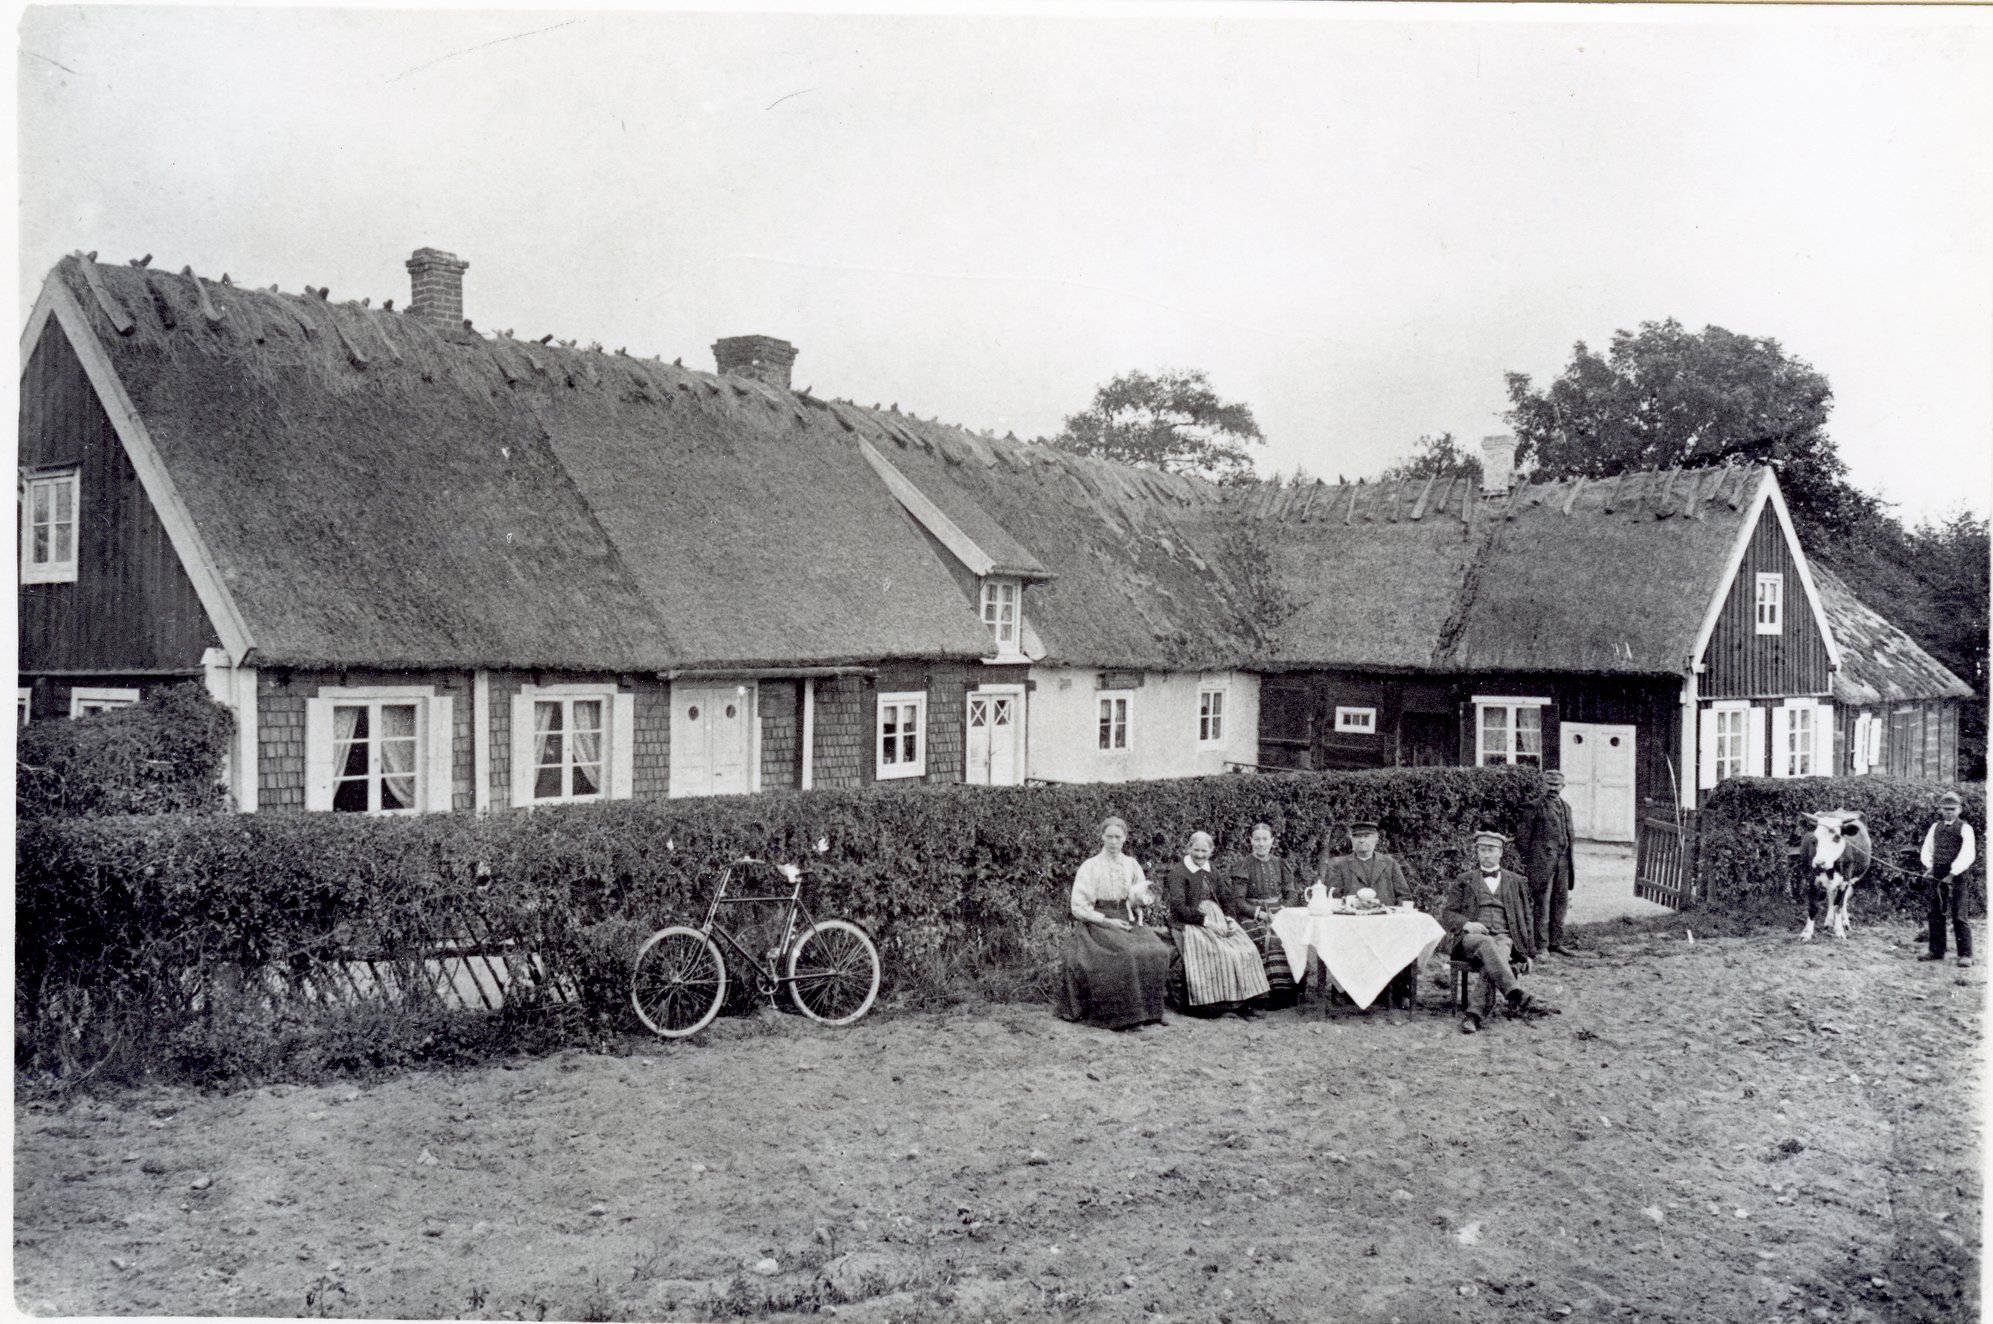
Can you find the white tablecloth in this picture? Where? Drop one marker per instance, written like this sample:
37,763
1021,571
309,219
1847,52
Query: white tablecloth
1362,952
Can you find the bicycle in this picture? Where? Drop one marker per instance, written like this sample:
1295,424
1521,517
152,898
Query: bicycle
679,979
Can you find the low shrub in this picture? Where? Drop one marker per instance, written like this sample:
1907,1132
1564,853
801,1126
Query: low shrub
165,754
229,920
1748,829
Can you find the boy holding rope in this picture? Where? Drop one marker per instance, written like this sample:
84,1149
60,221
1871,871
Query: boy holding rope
1948,852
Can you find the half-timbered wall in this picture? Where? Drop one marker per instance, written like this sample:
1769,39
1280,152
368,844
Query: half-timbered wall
1740,663
132,608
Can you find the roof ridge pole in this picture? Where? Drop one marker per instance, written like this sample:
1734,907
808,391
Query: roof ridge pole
1661,510
1577,486
1419,506
1699,487
208,310
120,319
1391,512
1737,498
1349,511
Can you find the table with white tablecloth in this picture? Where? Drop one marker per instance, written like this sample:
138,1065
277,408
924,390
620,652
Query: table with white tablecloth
1361,951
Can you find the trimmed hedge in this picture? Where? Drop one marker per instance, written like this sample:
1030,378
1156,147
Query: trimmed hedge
163,755
1749,825
147,920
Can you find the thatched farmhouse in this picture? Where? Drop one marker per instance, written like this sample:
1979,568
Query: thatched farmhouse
1895,705
429,568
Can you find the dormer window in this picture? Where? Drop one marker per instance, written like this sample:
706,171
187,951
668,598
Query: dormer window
1000,614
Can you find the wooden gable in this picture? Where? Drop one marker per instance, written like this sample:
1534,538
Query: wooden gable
1797,658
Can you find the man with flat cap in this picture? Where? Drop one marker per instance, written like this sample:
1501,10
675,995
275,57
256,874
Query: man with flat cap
1488,923
1366,866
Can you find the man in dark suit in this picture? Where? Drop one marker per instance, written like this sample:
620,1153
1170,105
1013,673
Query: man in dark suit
1488,923
1544,842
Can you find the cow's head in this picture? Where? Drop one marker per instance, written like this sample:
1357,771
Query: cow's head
1831,833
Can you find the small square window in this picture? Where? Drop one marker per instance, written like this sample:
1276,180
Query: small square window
49,528
1210,717
902,735
1771,604
1360,721
1114,722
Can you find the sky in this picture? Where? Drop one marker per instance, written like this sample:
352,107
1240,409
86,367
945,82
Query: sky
1357,219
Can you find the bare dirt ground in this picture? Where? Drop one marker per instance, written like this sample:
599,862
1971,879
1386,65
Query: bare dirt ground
1737,1129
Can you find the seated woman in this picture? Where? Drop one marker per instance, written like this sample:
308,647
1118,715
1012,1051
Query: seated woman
1255,889
1113,971
1221,967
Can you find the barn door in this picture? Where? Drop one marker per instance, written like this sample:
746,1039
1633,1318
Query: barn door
1598,779
712,739
996,738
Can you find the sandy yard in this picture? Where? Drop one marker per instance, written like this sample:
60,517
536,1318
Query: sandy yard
1738,1129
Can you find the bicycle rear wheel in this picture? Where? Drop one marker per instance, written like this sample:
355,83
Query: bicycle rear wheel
678,982
834,972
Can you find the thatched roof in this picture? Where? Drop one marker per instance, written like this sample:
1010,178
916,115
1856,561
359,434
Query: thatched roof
377,492
1879,663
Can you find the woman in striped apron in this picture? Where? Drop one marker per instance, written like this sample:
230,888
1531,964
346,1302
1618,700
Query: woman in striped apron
1221,967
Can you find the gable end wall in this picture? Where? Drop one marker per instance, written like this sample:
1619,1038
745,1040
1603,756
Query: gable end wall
1740,663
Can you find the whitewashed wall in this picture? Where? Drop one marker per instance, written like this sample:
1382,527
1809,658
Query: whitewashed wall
1062,726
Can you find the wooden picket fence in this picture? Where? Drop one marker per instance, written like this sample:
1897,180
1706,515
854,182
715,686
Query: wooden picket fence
1664,868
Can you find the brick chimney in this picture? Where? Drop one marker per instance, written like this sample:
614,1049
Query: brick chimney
1498,464
436,281
763,358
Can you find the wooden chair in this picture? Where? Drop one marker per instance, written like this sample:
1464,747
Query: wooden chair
1463,972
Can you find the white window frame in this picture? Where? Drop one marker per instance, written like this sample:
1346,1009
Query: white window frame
995,590
51,570
618,740
435,780
1514,704
901,767
87,699
1734,761
1769,607
24,705
1210,716
1362,721
1104,710
1787,760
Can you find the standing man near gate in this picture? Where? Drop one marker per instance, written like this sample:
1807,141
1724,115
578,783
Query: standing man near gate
1544,842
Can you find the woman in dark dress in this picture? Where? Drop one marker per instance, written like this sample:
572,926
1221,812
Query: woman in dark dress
1256,888
1113,971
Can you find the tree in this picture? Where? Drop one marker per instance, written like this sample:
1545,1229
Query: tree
1172,421
1663,396
1435,457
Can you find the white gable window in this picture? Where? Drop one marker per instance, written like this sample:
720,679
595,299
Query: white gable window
1508,730
1732,742
1210,716
1358,721
1802,738
48,528
1000,598
1114,721
902,735
572,742
1771,604
378,749
85,700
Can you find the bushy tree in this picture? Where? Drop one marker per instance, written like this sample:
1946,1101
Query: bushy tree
1435,457
1172,421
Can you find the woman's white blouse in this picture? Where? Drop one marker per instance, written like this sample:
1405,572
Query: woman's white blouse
1104,879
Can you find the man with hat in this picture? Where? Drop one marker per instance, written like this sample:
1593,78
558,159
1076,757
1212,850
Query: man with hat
1544,842
1366,866
1948,851
1488,923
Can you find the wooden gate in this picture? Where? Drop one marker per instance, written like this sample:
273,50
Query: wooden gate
1664,868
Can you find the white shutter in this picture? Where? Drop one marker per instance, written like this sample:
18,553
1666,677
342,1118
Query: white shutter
522,750
1875,726
1754,743
1781,725
1705,749
622,745
318,754
440,777
1823,739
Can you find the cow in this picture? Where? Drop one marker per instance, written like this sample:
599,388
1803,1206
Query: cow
1840,850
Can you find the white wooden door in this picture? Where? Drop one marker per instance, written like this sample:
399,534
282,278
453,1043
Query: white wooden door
1598,779
996,738
712,739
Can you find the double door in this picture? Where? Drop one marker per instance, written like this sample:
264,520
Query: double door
995,737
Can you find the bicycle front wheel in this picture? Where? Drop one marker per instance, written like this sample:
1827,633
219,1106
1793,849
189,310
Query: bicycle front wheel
834,972
678,982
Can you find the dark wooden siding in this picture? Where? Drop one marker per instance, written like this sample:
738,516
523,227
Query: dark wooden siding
132,607
1741,663
1651,705
1919,740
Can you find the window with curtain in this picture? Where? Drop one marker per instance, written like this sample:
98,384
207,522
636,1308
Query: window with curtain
1114,722
1000,613
1509,731
567,749
375,757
